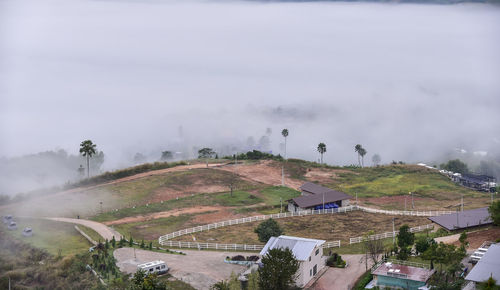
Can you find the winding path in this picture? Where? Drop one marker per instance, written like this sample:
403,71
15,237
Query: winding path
103,230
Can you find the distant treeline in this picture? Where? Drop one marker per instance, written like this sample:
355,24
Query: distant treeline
255,155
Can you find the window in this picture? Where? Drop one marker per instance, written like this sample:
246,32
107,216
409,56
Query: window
158,268
310,272
317,252
163,266
309,258
150,269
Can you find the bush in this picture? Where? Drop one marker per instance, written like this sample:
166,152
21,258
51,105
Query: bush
238,258
267,229
253,258
335,261
363,281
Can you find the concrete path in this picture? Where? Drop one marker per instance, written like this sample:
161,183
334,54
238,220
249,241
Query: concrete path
200,269
448,239
342,279
103,230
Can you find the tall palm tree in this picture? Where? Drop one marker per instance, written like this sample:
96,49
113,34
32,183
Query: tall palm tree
285,134
362,152
321,150
87,149
357,149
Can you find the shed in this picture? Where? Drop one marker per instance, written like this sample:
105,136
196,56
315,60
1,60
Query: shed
488,265
314,196
463,219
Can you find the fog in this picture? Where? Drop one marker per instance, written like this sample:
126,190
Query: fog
407,81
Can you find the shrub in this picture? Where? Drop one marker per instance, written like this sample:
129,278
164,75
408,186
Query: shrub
238,258
267,229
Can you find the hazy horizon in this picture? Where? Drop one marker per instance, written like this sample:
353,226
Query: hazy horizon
408,81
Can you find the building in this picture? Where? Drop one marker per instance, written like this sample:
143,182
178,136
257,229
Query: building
478,182
315,196
391,275
463,219
158,267
12,226
308,252
27,232
488,266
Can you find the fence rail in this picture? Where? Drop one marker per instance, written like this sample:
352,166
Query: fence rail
333,244
167,237
213,246
389,234
405,212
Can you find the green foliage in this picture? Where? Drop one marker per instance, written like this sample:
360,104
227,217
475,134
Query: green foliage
463,239
256,155
113,242
279,270
238,198
131,241
142,244
221,285
336,261
273,194
166,155
423,243
206,153
490,284
141,281
455,166
363,281
321,149
494,210
267,229
405,240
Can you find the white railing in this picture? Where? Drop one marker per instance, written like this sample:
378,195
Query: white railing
167,237
213,246
389,234
333,244
405,212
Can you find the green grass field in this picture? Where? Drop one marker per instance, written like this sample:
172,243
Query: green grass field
273,194
54,237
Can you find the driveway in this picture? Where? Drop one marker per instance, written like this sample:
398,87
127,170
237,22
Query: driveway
103,230
341,279
201,269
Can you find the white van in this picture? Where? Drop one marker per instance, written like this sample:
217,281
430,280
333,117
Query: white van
158,267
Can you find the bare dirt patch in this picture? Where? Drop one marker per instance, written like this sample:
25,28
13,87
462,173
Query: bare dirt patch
263,172
164,194
164,214
328,227
322,175
477,238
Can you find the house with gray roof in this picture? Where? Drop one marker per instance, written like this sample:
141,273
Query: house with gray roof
315,197
309,253
488,266
463,219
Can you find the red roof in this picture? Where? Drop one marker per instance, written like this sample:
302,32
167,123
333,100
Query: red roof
403,272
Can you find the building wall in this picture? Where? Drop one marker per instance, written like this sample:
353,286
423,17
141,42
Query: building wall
345,202
306,267
386,281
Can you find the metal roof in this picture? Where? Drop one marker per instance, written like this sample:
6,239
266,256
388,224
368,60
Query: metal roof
489,265
403,272
301,248
466,219
316,198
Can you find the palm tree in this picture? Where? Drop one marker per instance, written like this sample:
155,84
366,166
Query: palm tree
362,152
321,150
357,148
87,149
285,134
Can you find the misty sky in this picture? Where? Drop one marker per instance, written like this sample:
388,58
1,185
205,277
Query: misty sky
406,81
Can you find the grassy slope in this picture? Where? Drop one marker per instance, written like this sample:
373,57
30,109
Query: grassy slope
51,236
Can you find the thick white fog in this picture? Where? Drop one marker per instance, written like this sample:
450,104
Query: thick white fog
407,81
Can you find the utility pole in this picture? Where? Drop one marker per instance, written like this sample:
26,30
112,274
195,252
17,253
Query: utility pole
281,204
393,233
462,203
356,198
283,175
101,206
412,203
405,203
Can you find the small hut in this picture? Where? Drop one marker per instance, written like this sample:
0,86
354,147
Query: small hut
27,232
12,226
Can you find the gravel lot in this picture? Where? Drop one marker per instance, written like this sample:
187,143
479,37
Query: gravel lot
201,269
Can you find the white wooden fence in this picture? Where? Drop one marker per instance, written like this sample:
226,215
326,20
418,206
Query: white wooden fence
389,234
333,244
213,246
167,237
405,212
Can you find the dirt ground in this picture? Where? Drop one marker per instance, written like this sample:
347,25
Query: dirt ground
163,214
322,175
164,194
328,227
263,172
477,238
201,269
342,279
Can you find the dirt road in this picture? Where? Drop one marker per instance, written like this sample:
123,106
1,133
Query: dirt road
104,231
201,269
340,279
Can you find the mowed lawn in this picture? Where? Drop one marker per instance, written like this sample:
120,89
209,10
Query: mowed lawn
328,227
54,237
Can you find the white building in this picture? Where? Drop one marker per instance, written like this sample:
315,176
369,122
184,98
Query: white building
158,267
308,252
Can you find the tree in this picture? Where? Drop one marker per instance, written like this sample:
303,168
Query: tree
494,210
167,155
455,166
139,158
221,285
113,242
206,153
357,149
322,150
87,149
231,181
463,240
362,152
267,229
285,134
279,269
374,248
131,241
142,245
423,243
490,284
376,159
405,240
